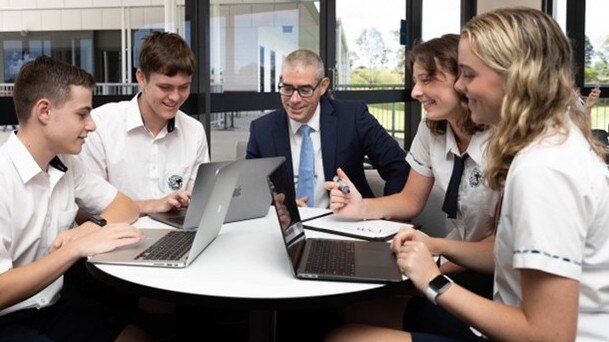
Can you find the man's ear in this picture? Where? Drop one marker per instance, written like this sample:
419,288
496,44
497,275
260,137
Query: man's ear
324,85
140,77
42,110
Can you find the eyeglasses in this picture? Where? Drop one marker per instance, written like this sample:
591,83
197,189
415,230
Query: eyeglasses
303,91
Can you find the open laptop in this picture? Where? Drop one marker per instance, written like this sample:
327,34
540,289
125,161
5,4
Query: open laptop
178,248
250,196
327,259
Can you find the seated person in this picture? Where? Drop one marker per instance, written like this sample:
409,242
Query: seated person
342,134
43,186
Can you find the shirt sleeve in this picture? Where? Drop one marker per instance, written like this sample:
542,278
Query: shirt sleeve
92,192
547,214
419,155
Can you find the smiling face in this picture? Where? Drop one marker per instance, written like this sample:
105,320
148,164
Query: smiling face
162,95
436,93
72,122
483,86
299,108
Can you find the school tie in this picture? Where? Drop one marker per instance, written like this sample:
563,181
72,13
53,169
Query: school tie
306,173
452,193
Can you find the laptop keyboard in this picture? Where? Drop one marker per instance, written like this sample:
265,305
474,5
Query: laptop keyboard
172,246
331,257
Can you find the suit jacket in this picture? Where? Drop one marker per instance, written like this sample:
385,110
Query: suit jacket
348,133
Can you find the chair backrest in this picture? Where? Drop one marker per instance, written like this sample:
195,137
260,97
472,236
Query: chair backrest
432,219
377,184
240,149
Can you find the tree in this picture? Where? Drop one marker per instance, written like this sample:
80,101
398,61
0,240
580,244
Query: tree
400,55
372,50
589,52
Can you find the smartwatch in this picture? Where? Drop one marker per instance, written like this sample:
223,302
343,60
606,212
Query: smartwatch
98,220
437,286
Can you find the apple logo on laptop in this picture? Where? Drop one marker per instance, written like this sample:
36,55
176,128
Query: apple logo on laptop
237,191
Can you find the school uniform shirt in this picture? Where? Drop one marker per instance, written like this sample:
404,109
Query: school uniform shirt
36,206
555,218
433,156
321,194
143,166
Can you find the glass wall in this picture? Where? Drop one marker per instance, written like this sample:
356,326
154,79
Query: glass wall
368,50
250,39
441,17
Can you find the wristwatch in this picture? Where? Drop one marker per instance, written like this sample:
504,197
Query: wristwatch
437,286
98,220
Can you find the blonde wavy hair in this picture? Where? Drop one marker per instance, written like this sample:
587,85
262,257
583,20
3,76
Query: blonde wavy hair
528,47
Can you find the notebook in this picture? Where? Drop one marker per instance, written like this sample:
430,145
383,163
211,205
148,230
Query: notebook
178,248
327,259
250,196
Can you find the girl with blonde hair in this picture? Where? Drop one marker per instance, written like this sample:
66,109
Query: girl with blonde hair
551,252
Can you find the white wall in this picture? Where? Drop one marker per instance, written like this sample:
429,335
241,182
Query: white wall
75,15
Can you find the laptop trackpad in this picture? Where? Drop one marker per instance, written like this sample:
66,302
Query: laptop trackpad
372,260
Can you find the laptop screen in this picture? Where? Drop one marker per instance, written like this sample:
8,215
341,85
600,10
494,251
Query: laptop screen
284,200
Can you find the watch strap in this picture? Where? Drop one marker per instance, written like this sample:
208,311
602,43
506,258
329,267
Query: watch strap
98,220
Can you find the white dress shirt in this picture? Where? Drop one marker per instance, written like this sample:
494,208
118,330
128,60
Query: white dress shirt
37,205
143,166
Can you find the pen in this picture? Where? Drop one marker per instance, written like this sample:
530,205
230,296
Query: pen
344,187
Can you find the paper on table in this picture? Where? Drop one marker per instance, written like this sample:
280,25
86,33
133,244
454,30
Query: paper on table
368,230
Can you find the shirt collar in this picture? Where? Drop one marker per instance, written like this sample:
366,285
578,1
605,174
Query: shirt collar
313,122
134,117
24,163
475,149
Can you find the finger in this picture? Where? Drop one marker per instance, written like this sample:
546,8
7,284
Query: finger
330,185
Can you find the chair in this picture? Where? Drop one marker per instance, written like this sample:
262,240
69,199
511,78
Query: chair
240,149
432,219
377,184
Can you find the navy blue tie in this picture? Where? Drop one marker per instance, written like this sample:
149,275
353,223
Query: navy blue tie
306,172
452,193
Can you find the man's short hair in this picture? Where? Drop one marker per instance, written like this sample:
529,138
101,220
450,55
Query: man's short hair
166,53
307,58
48,78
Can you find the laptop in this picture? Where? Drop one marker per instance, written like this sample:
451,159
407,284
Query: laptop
250,196
178,248
327,259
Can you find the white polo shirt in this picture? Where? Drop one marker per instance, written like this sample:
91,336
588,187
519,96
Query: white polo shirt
433,156
143,166
555,218
36,206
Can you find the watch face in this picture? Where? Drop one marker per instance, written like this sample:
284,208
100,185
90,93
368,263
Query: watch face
440,282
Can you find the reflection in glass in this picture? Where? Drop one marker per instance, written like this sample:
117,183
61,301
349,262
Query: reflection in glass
596,58
249,41
368,50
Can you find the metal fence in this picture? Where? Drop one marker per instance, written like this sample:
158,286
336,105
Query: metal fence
390,115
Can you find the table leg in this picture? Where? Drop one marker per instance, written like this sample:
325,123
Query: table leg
263,326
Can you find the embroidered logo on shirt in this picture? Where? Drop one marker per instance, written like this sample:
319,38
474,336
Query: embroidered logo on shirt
475,177
175,182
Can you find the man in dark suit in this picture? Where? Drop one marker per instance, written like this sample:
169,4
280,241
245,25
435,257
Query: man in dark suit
343,132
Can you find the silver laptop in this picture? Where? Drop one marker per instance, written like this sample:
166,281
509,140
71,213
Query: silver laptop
327,259
250,196
179,247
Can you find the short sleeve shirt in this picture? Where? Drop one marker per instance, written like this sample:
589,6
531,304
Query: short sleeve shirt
36,206
433,156
555,218
143,166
